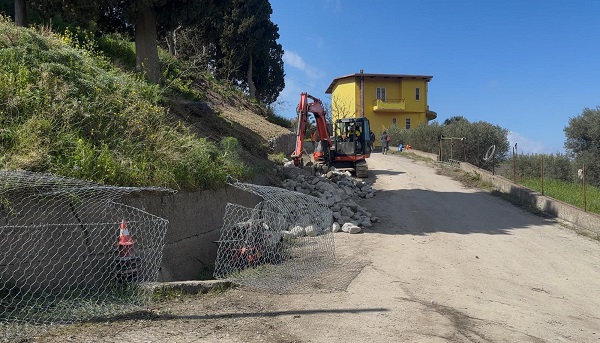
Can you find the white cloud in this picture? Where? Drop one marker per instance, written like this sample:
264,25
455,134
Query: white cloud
335,5
528,146
295,60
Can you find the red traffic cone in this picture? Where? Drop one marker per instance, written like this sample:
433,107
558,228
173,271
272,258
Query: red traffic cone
125,243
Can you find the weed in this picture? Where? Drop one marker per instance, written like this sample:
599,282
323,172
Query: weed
278,158
163,294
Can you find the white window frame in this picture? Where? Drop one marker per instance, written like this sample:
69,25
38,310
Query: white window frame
407,123
380,93
417,94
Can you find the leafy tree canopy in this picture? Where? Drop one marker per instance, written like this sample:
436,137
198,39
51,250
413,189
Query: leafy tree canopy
583,142
454,119
251,55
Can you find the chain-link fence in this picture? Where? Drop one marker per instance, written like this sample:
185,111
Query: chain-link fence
556,176
279,244
70,251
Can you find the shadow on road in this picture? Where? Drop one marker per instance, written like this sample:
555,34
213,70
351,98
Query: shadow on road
149,315
422,211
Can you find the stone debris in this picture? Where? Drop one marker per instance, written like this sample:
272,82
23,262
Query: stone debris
338,190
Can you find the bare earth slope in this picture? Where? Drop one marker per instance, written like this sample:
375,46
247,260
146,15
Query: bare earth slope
446,264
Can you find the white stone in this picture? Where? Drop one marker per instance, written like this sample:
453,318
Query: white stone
350,228
336,227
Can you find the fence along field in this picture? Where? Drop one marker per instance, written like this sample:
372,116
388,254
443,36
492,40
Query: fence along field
70,251
557,177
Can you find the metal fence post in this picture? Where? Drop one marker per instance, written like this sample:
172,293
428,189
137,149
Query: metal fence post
542,174
583,182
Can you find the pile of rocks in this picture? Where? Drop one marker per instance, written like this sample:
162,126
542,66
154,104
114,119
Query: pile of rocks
337,189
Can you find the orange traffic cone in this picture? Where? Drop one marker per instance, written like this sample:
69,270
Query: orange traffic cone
126,264
125,243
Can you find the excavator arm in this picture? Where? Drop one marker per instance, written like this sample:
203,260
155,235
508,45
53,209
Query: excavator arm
316,108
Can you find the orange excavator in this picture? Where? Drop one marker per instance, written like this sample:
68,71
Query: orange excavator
346,148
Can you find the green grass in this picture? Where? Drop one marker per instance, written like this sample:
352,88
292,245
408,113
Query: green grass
278,158
472,180
568,192
67,110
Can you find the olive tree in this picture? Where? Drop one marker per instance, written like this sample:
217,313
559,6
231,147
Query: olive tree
583,142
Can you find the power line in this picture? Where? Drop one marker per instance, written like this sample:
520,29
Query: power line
307,85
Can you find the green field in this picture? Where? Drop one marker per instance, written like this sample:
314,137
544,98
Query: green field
569,192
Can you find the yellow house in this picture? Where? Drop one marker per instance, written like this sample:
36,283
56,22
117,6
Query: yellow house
385,99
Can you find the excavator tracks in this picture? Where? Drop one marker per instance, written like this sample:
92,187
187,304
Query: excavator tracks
361,169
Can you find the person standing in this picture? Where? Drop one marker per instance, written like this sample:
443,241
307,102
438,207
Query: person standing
385,142
371,139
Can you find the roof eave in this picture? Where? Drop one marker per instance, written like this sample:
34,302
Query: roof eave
329,89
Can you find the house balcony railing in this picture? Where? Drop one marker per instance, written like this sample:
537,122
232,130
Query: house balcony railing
388,105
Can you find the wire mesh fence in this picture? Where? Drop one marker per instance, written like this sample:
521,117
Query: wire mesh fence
278,245
556,176
71,251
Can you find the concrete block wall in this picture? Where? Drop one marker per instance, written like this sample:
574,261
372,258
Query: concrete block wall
195,221
284,143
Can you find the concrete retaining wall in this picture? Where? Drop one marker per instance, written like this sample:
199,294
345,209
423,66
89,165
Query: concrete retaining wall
284,143
195,220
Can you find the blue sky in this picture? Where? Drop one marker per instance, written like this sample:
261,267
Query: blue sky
527,66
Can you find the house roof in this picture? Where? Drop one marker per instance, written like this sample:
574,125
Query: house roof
380,76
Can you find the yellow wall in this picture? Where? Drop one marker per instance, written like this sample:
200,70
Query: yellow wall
408,90
346,94
345,99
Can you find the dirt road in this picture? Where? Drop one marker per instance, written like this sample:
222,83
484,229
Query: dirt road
445,264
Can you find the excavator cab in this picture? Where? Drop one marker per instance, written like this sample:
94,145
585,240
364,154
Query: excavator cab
352,137
351,145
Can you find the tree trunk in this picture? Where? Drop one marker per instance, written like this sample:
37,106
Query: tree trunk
251,87
21,13
146,50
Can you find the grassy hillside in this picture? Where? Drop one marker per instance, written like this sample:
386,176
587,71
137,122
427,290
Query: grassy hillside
69,110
